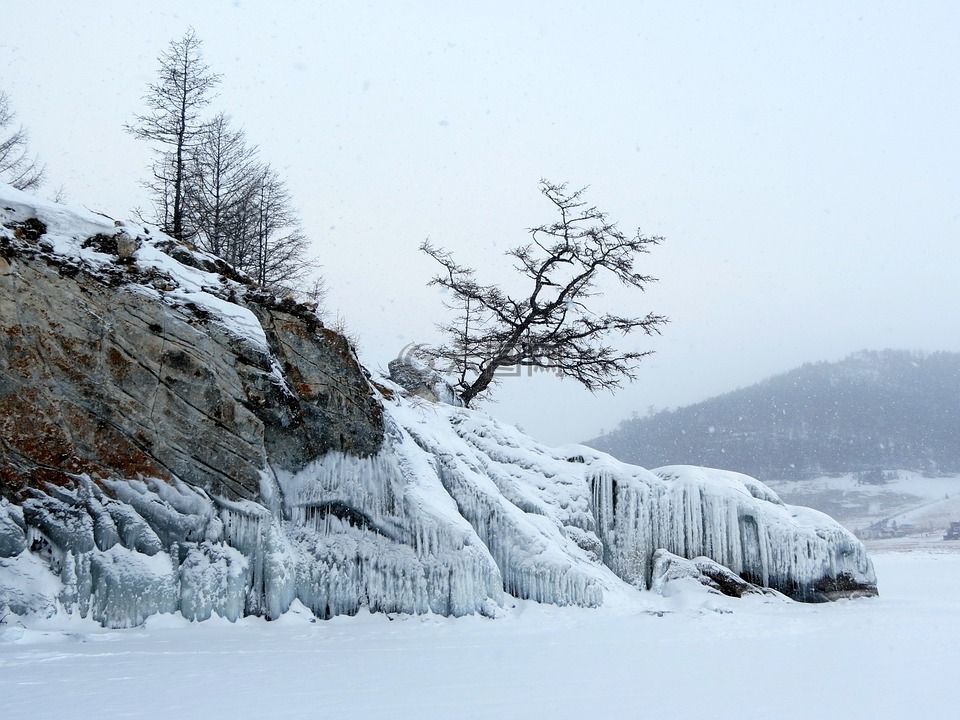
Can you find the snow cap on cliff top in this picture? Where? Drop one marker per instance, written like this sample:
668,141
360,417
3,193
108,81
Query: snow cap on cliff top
69,232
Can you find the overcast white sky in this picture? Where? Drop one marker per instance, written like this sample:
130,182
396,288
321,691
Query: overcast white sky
800,158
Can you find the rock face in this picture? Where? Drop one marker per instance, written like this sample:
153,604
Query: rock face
111,368
174,439
423,381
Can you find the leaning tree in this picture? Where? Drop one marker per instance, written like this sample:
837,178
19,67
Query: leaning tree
551,325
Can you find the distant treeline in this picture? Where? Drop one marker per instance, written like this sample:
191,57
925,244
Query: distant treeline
872,411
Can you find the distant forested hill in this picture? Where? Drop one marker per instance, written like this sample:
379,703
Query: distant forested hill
872,411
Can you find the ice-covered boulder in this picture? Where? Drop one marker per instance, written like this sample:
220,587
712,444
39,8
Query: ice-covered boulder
668,568
173,438
733,519
13,539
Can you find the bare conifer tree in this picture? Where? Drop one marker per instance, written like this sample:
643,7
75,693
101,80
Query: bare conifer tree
221,170
241,211
550,326
173,122
277,242
16,166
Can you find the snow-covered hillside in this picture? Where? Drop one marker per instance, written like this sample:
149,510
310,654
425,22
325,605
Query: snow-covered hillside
871,411
174,440
906,503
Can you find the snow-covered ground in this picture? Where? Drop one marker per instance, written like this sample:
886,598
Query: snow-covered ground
920,505
703,657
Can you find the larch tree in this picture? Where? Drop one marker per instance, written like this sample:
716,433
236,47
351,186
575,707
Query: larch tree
551,325
17,167
277,243
221,170
240,210
173,122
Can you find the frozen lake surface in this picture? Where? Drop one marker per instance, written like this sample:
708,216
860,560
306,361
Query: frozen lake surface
687,656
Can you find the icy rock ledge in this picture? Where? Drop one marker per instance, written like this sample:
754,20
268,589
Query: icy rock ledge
668,568
574,515
173,440
454,512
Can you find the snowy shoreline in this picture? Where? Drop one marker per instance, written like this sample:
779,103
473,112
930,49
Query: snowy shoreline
885,657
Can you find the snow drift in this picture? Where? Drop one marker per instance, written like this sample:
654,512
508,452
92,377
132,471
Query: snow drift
173,439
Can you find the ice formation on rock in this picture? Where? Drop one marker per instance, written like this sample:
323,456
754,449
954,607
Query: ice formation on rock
233,459
668,568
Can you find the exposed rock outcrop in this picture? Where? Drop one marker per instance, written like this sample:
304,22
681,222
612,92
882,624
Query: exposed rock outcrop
174,439
114,366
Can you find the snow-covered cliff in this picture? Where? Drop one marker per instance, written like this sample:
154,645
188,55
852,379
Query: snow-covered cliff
174,439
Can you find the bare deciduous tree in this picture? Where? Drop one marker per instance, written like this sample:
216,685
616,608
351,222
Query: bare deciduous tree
173,121
277,244
221,169
549,326
240,210
16,166
209,187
